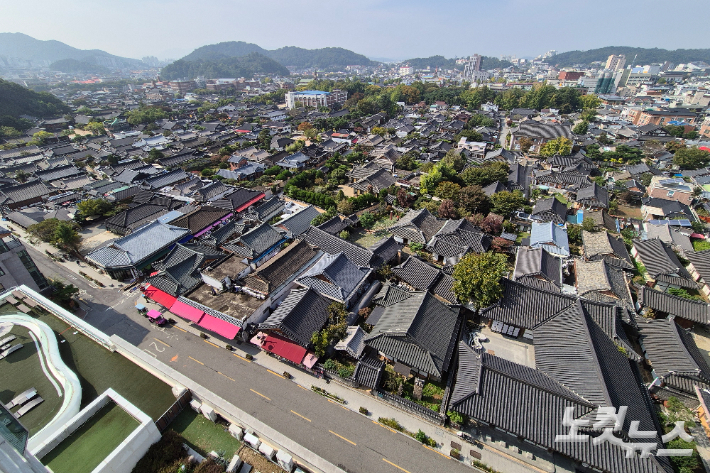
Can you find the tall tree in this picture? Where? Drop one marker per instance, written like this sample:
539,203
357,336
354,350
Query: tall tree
477,278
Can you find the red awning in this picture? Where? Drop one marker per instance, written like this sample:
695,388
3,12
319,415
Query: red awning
251,202
162,298
186,311
219,326
284,348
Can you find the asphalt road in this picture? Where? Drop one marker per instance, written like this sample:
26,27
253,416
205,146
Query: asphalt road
344,438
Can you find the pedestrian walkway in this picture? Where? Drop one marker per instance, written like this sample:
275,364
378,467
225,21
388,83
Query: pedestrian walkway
70,262
503,458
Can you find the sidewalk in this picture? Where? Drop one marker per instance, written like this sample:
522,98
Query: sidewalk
70,261
502,457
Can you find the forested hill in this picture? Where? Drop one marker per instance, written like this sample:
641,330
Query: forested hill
287,56
216,67
442,63
645,56
16,100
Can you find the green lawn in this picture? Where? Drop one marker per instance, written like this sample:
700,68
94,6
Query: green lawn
521,236
204,435
20,371
561,198
91,443
700,245
99,369
364,239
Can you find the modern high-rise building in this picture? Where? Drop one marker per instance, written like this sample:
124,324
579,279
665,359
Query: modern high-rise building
315,98
615,62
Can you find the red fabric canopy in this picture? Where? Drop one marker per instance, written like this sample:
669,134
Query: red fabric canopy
187,312
162,298
219,326
284,348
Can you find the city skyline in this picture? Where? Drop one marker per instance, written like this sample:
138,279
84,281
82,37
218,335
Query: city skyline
384,30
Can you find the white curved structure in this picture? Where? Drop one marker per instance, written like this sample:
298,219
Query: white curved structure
71,386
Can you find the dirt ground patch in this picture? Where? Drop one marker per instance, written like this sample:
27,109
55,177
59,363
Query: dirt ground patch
629,212
258,461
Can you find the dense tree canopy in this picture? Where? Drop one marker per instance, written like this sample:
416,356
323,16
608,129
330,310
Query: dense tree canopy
477,278
16,100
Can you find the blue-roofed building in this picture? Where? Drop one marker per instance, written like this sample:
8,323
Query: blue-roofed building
295,161
125,257
551,237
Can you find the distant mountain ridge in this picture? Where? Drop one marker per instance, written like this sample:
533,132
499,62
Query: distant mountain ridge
645,55
223,66
441,62
286,56
18,49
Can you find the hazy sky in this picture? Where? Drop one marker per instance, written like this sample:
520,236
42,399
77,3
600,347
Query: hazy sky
395,29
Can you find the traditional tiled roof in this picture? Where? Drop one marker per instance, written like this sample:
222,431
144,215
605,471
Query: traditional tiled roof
594,195
334,245
673,354
701,263
662,263
386,249
690,309
602,245
335,225
425,277
380,179
239,200
24,192
458,237
200,219
208,192
354,342
179,273
335,277
265,209
133,249
538,263
390,295
223,233
135,217
420,332
58,173
550,210
255,242
299,222
546,131
417,226
603,282
166,179
368,371
286,266
302,313
530,404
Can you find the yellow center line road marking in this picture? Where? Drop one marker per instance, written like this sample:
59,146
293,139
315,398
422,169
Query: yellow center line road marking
437,451
160,341
248,361
305,389
396,466
225,376
341,437
275,373
212,344
196,361
258,393
180,328
299,415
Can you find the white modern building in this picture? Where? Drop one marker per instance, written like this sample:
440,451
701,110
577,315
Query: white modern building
316,98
